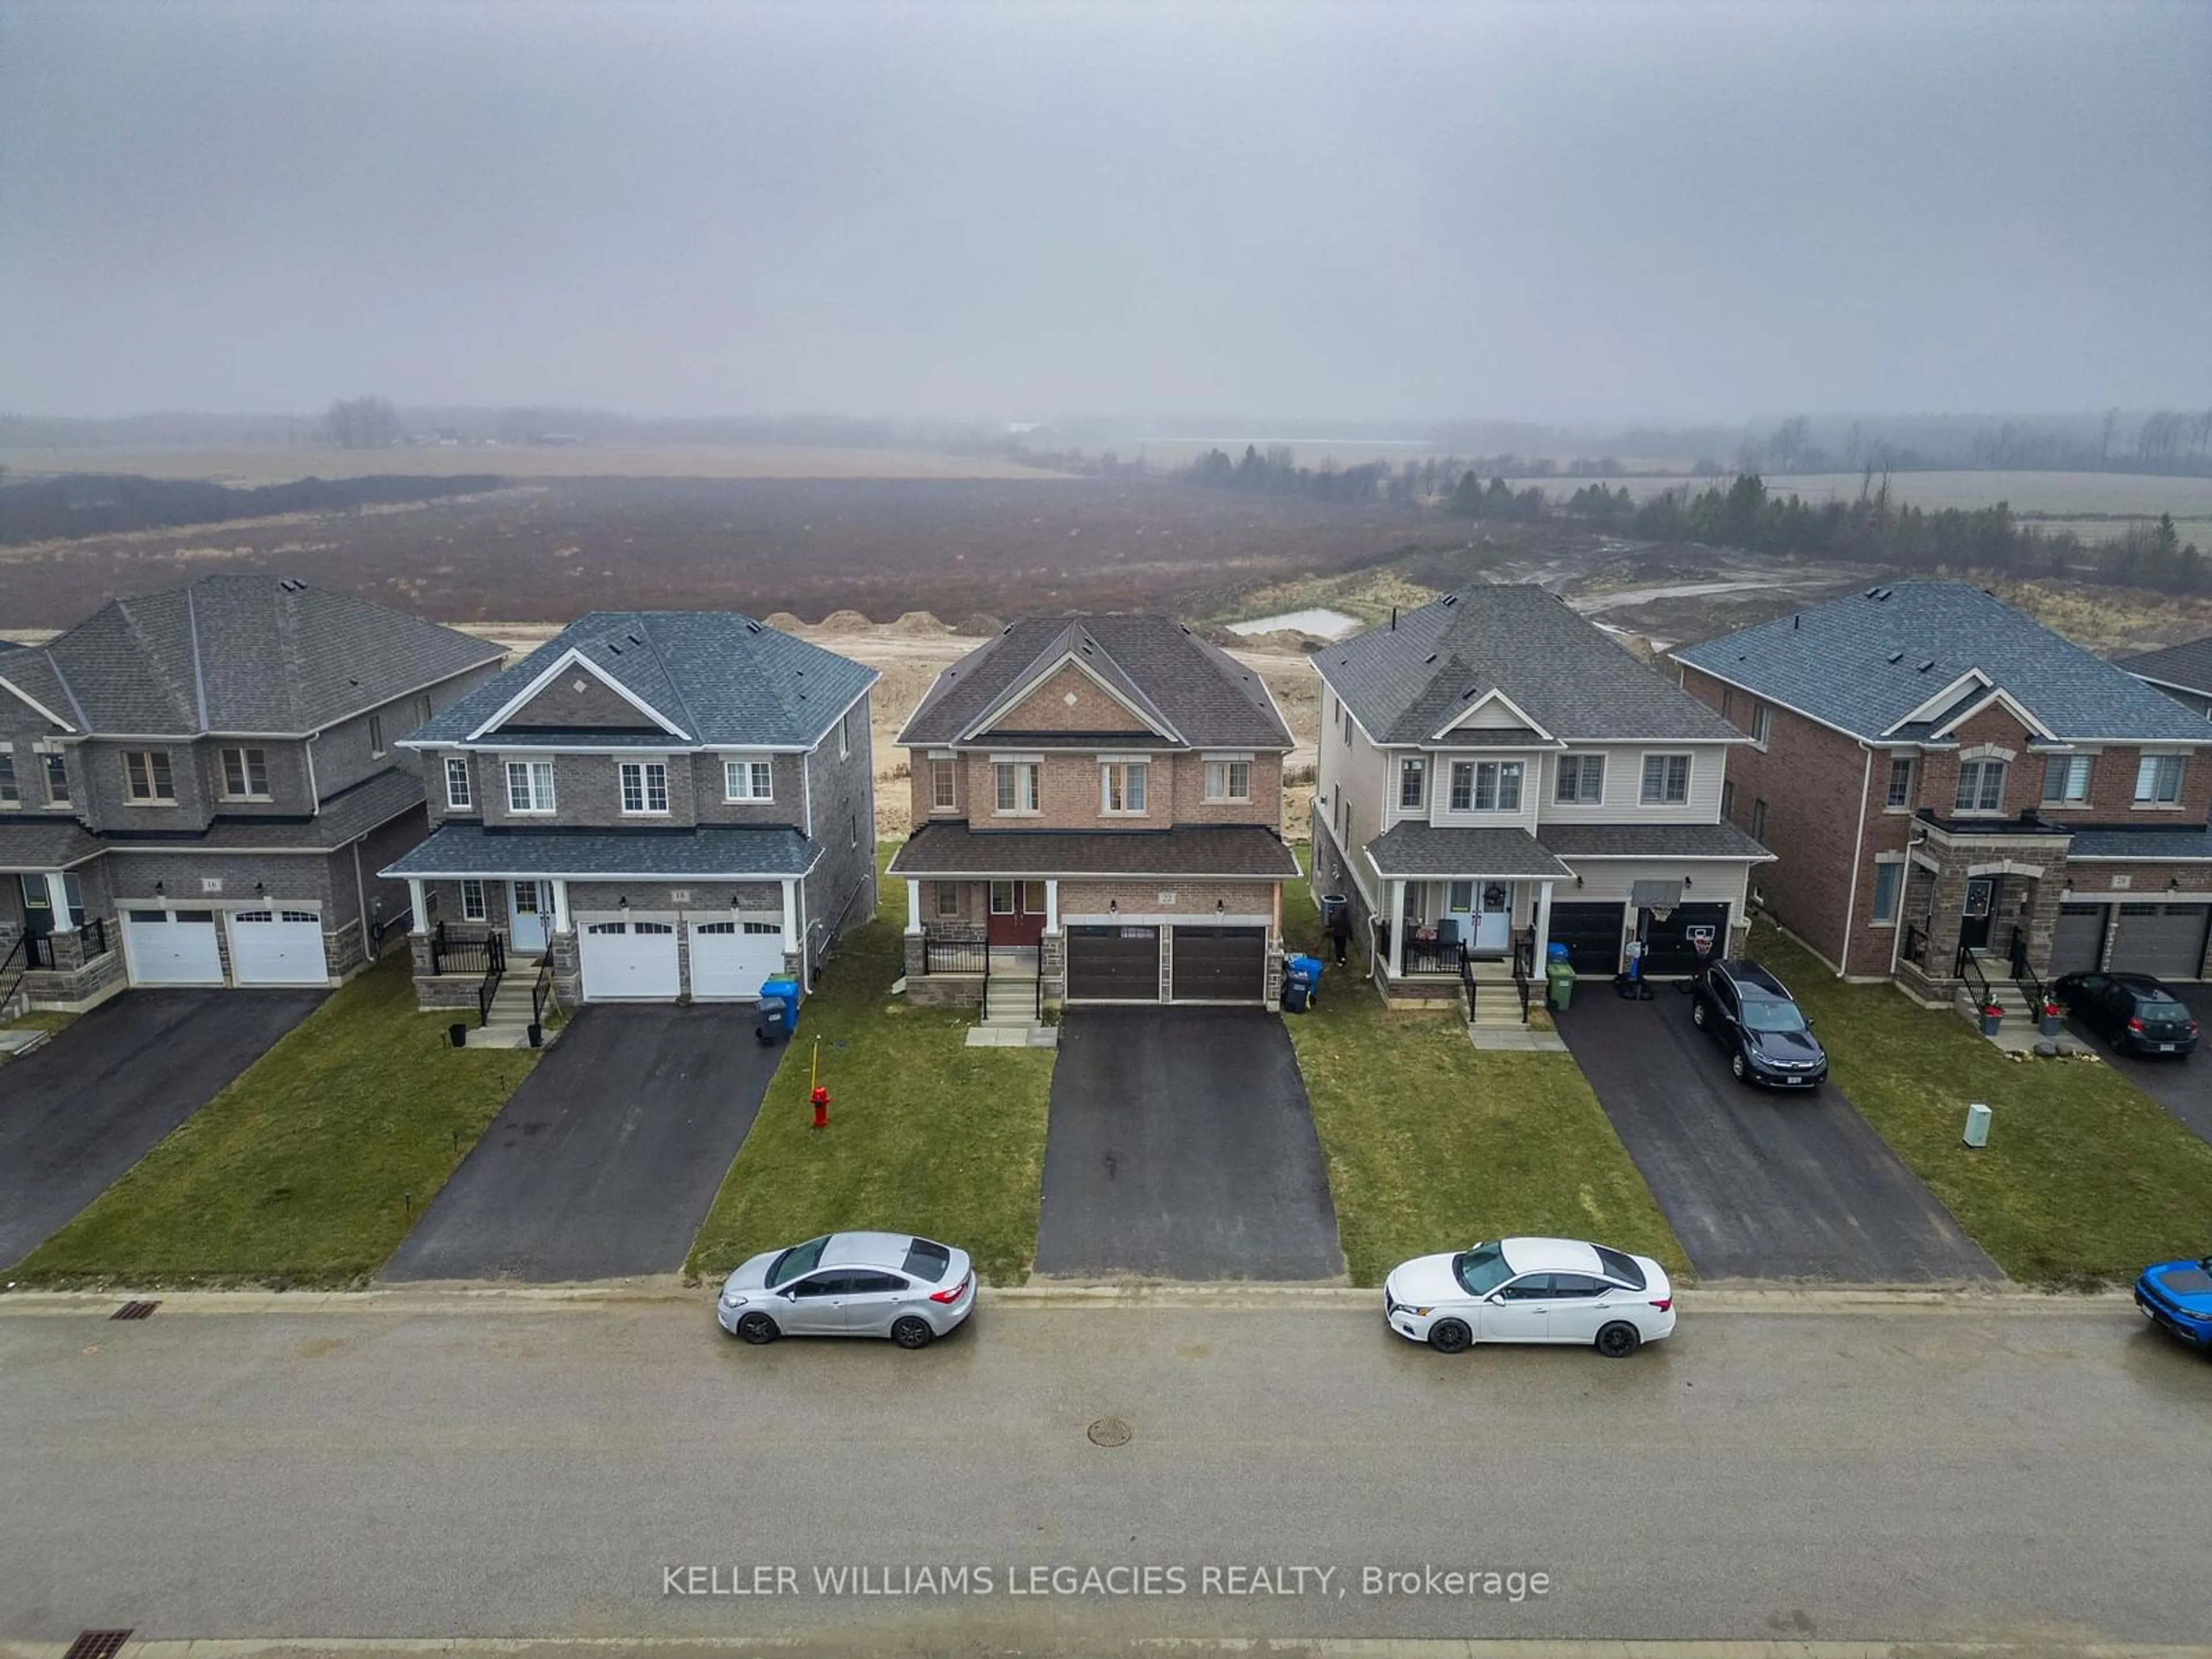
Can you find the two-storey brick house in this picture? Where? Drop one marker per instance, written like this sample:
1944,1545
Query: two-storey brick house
1495,773
1097,813
199,787
1938,774
668,803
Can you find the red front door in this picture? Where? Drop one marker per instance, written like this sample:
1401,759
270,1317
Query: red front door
1017,912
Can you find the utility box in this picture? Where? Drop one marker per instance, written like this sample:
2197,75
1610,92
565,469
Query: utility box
1978,1125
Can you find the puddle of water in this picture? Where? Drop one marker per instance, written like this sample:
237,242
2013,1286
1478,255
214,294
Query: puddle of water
1328,624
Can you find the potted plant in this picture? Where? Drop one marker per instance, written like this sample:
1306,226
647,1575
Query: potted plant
1993,1017
2049,1023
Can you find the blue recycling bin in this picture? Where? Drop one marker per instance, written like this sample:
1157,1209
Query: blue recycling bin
785,988
1301,981
1556,952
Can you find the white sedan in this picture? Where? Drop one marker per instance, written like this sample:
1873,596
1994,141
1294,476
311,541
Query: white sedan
1531,1290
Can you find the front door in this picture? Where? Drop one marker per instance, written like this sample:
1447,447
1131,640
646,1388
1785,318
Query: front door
1974,918
1493,918
38,906
1017,912
529,916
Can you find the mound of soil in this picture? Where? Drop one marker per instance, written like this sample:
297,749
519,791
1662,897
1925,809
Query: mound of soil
919,624
844,621
783,622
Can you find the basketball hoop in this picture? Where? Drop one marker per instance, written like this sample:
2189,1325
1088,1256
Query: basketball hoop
1660,912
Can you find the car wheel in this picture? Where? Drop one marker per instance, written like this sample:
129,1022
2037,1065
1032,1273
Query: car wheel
758,1328
1737,1069
1619,1340
1449,1336
913,1333
1698,1015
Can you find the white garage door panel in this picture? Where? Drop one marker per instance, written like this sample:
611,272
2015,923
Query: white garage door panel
277,947
630,961
172,947
729,959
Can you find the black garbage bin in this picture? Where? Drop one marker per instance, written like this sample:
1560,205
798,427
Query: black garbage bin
457,1034
768,1021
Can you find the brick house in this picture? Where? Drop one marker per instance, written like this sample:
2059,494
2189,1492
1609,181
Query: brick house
1937,773
1495,773
199,787
665,803
1097,811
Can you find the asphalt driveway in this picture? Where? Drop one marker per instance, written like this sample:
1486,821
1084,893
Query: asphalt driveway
1758,1185
82,1107
2182,1086
605,1160
1181,1146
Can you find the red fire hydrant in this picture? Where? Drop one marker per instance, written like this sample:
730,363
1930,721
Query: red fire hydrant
821,1098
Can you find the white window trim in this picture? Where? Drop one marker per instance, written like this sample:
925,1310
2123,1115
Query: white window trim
2143,802
244,772
1034,772
1228,763
1912,784
483,911
951,769
1474,787
1140,770
465,801
552,789
378,749
1689,777
1418,765
1762,726
734,764
2070,802
645,769
1582,764
1984,760
130,796
1897,861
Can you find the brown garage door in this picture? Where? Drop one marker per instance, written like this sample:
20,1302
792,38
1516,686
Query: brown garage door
2078,944
1113,964
2167,940
1220,964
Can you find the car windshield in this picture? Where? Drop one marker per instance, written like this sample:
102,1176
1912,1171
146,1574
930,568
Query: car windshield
1772,1014
1619,1266
1482,1269
799,1258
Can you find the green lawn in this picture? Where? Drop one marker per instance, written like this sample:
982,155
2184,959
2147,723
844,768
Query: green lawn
2085,1179
925,1135
1431,1145
300,1172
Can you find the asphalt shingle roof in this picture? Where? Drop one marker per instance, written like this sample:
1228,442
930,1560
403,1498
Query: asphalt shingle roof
2193,842
1651,841
238,653
1197,689
44,844
2189,666
1857,663
719,850
718,676
1405,684
1418,850
1190,850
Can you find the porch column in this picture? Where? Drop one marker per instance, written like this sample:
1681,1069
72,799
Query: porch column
67,917
790,914
1397,928
421,921
1543,923
913,906
561,923
1051,904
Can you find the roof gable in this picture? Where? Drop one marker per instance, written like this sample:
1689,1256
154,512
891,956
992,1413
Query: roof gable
1071,695
1491,711
573,693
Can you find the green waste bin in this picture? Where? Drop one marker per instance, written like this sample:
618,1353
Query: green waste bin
1562,977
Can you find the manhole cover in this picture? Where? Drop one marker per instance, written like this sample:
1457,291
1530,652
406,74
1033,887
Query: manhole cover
1109,1431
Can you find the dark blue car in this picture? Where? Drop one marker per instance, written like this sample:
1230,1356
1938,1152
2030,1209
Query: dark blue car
2178,1296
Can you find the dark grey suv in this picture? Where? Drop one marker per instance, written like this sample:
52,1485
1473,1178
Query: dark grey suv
1767,1039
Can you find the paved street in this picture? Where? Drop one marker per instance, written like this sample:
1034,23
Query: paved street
507,1470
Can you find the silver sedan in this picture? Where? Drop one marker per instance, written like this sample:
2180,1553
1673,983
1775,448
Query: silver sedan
892,1285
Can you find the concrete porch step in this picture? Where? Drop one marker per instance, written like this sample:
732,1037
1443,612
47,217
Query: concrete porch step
498,1034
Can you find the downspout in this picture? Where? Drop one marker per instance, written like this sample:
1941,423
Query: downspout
1904,884
361,908
1858,851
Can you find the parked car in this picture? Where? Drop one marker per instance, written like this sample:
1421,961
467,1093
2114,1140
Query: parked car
2132,1012
1768,1039
2177,1295
1531,1290
893,1285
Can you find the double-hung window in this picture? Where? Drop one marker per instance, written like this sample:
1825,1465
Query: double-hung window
1899,798
530,786
747,779
1581,780
1762,722
2066,780
57,784
1412,783
472,900
1887,878
644,787
1017,787
150,778
1122,788
1486,787
948,899
458,795
376,737
2158,781
1228,781
244,775
10,793
943,786
1666,780
1981,787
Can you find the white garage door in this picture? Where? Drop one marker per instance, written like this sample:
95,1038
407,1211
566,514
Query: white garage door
630,961
172,947
277,947
729,959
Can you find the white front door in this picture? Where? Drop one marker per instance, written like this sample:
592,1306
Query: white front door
1493,917
277,947
729,959
630,961
172,947
530,915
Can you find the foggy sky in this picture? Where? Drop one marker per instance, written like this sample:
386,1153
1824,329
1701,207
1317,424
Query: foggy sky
1570,212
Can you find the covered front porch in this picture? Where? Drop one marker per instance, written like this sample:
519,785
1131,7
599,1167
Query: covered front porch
1458,907
1978,916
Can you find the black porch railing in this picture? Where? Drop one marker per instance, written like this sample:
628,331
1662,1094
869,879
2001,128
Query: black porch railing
1467,986
2030,982
542,992
1431,956
1915,948
1966,967
468,956
940,956
92,937
494,971
13,967
1521,979
38,951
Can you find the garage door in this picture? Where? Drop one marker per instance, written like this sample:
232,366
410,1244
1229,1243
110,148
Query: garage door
1113,965
172,947
729,959
1218,964
630,961
277,947
2163,940
1669,946
1592,934
2078,944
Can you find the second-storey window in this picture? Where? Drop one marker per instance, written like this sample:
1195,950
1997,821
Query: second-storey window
1981,787
1122,788
457,793
2158,779
1017,783
1582,781
1900,782
1486,787
244,775
58,787
10,793
375,736
530,786
150,779
943,786
1762,722
1666,780
2066,779
1229,780
747,779
644,787
1412,783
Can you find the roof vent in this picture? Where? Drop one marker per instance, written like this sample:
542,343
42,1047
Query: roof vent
753,628
633,640
1427,660
1871,593
1895,656
614,651
1925,666
1469,692
1451,598
1796,622
1885,594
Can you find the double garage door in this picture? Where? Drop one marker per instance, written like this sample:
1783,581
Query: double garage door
635,960
267,947
1110,963
2164,940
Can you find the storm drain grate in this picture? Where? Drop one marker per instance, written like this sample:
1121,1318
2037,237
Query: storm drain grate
128,1310
97,1644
